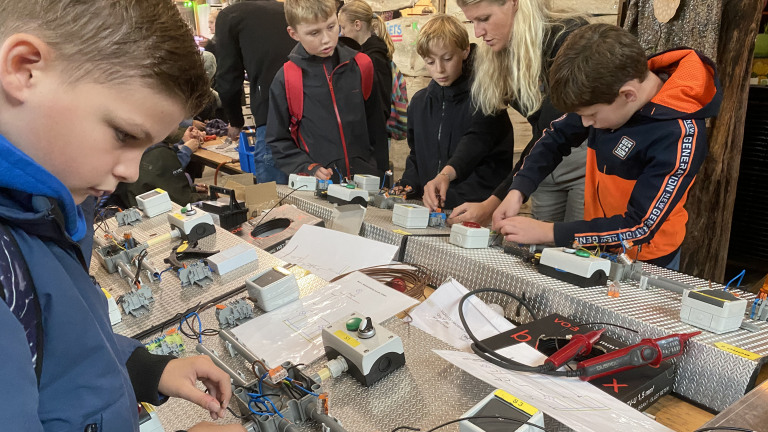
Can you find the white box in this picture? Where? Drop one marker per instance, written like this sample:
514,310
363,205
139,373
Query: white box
302,182
714,310
154,202
344,194
232,258
410,216
367,182
272,288
469,235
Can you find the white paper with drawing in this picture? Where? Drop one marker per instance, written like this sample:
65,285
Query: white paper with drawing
329,253
292,332
439,316
575,403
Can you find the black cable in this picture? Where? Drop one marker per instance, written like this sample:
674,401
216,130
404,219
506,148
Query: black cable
139,259
241,417
471,418
272,224
728,428
606,324
491,356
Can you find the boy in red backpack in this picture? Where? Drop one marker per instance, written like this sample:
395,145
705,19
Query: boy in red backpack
324,120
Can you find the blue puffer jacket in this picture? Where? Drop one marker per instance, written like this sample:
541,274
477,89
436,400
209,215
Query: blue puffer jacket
87,370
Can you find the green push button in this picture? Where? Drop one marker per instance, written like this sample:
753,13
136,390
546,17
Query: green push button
583,253
350,186
353,324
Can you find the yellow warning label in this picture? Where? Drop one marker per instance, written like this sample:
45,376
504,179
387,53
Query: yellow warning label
106,293
158,190
749,355
515,402
347,338
148,407
401,232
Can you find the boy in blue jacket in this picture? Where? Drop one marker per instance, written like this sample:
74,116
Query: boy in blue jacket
342,132
439,118
644,120
80,71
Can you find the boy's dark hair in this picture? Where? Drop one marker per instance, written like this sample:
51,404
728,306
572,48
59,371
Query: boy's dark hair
113,41
593,64
308,11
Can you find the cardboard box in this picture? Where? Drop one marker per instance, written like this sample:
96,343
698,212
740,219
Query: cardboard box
257,197
638,388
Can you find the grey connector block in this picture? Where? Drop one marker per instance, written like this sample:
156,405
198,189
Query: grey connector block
386,203
272,288
232,258
196,273
234,313
165,348
623,272
137,302
111,254
130,216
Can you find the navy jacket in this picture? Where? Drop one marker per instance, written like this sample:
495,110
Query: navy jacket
638,175
89,374
439,119
339,129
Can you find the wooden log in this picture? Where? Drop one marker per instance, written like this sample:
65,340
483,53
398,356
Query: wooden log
710,203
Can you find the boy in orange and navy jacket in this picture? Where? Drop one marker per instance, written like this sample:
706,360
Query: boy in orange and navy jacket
644,120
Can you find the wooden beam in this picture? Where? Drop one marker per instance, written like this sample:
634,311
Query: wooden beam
710,203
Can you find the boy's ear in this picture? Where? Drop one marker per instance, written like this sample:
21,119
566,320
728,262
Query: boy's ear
628,93
22,58
292,33
465,54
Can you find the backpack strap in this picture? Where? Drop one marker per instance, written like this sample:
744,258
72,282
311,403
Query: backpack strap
294,94
366,73
18,291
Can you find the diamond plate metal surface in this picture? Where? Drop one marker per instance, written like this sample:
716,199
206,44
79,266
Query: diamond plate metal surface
424,393
170,297
706,374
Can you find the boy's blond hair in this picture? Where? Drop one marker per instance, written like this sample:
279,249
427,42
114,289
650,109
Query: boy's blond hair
308,11
108,42
442,28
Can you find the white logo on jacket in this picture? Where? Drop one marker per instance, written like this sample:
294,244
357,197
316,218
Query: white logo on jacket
623,148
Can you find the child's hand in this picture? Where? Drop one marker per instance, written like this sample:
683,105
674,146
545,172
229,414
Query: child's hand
189,134
198,125
474,212
436,189
508,208
234,133
180,376
323,173
525,230
193,144
213,427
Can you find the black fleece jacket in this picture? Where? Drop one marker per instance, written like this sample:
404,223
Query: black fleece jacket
376,49
251,37
439,120
471,152
339,127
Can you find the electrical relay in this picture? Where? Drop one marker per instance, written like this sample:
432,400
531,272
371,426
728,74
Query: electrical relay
272,288
367,182
410,216
371,353
714,310
154,202
302,182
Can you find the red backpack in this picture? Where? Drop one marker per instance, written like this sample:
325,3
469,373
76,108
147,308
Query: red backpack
294,89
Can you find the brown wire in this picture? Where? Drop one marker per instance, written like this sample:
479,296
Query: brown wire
263,366
218,167
415,278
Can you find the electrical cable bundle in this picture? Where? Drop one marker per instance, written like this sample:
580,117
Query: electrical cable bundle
410,279
491,356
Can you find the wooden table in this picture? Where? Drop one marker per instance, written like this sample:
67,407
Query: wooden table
213,159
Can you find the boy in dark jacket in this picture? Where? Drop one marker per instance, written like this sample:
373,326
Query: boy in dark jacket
440,115
341,132
68,62
644,120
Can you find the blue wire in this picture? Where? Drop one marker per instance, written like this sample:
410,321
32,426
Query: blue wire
256,412
199,326
739,276
160,275
301,388
341,179
621,242
754,307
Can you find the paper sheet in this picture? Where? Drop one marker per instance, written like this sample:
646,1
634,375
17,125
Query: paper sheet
577,404
439,316
293,332
329,253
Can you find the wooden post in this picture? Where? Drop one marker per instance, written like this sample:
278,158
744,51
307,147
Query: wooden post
710,203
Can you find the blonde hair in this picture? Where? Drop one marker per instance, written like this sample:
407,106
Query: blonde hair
308,11
360,10
109,42
442,28
518,72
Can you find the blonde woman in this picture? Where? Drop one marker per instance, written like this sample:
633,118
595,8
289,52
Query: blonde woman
521,38
358,22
